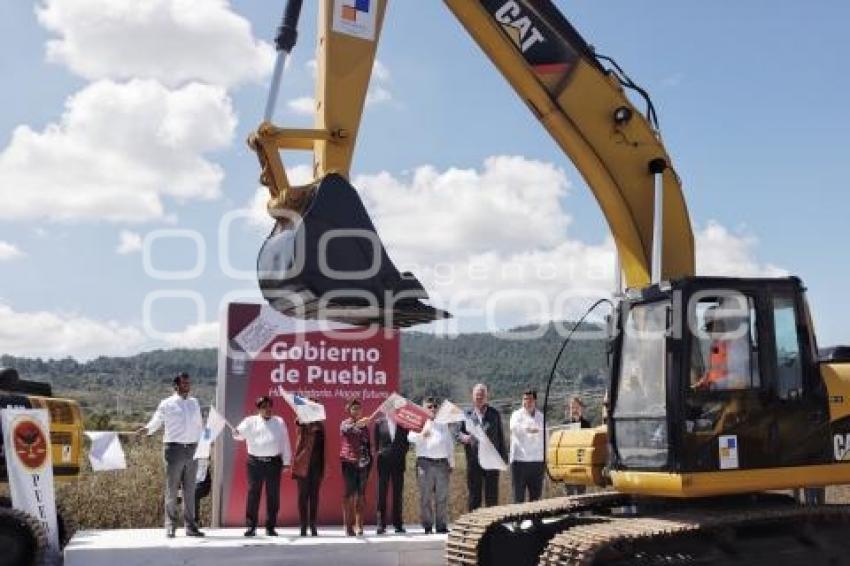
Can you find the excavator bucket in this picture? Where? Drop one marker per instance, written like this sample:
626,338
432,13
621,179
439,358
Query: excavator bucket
329,263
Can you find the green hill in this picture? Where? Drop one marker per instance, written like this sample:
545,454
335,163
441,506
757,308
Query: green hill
129,387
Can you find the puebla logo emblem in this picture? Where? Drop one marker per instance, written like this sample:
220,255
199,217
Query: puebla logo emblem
30,443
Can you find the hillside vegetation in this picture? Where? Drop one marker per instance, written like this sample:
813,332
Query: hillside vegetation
127,388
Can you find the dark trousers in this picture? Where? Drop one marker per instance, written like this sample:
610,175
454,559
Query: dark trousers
263,471
308,498
478,478
390,471
180,471
527,476
202,490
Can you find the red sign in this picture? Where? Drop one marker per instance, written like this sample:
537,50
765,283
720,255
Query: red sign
268,354
407,413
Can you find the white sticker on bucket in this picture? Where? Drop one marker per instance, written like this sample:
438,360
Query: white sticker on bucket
262,330
356,18
728,446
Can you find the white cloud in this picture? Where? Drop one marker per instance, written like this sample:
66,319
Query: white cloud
201,335
305,105
172,41
56,335
673,80
9,251
380,72
512,205
117,150
722,253
52,335
493,244
377,93
130,242
379,90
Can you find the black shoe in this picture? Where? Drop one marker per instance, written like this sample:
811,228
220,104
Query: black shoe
170,532
442,530
251,532
303,531
381,530
194,533
400,530
427,530
313,531
270,532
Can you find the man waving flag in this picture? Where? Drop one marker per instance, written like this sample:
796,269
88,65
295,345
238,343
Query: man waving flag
488,457
306,410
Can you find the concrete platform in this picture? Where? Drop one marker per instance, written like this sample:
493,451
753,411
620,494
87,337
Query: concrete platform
137,547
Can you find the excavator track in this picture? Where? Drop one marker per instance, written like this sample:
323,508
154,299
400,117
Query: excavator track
776,534
617,530
472,536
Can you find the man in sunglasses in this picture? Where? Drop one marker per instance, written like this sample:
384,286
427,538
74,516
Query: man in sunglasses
435,458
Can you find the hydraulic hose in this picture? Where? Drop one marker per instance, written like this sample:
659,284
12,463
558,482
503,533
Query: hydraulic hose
567,340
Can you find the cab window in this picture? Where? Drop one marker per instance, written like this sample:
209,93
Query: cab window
640,415
724,348
789,367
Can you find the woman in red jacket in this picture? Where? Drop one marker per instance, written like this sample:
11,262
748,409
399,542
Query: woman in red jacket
356,456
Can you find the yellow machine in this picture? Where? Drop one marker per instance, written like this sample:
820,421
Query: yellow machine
718,389
22,537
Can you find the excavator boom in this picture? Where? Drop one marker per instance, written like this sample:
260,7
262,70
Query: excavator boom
578,101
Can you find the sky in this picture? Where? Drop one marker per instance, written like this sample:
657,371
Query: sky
130,210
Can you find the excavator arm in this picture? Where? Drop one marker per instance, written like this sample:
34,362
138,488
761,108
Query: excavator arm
582,104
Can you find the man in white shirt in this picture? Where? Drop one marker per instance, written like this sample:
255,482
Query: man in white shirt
181,416
435,459
527,461
269,453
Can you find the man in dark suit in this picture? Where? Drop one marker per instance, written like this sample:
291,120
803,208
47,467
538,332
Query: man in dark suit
392,445
491,422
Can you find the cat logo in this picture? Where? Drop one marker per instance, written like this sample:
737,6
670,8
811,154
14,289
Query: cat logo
518,26
841,446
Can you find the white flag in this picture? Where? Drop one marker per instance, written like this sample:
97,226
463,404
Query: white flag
26,438
488,457
392,403
449,413
215,424
307,411
106,453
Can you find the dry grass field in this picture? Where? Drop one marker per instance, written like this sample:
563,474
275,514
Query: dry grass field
132,498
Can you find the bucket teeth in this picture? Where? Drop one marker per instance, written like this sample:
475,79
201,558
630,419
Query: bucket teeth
330,263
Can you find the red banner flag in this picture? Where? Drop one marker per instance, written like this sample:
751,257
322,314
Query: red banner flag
405,413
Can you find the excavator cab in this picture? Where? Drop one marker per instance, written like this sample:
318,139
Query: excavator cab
717,388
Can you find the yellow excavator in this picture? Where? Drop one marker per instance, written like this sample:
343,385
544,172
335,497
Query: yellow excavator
719,397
